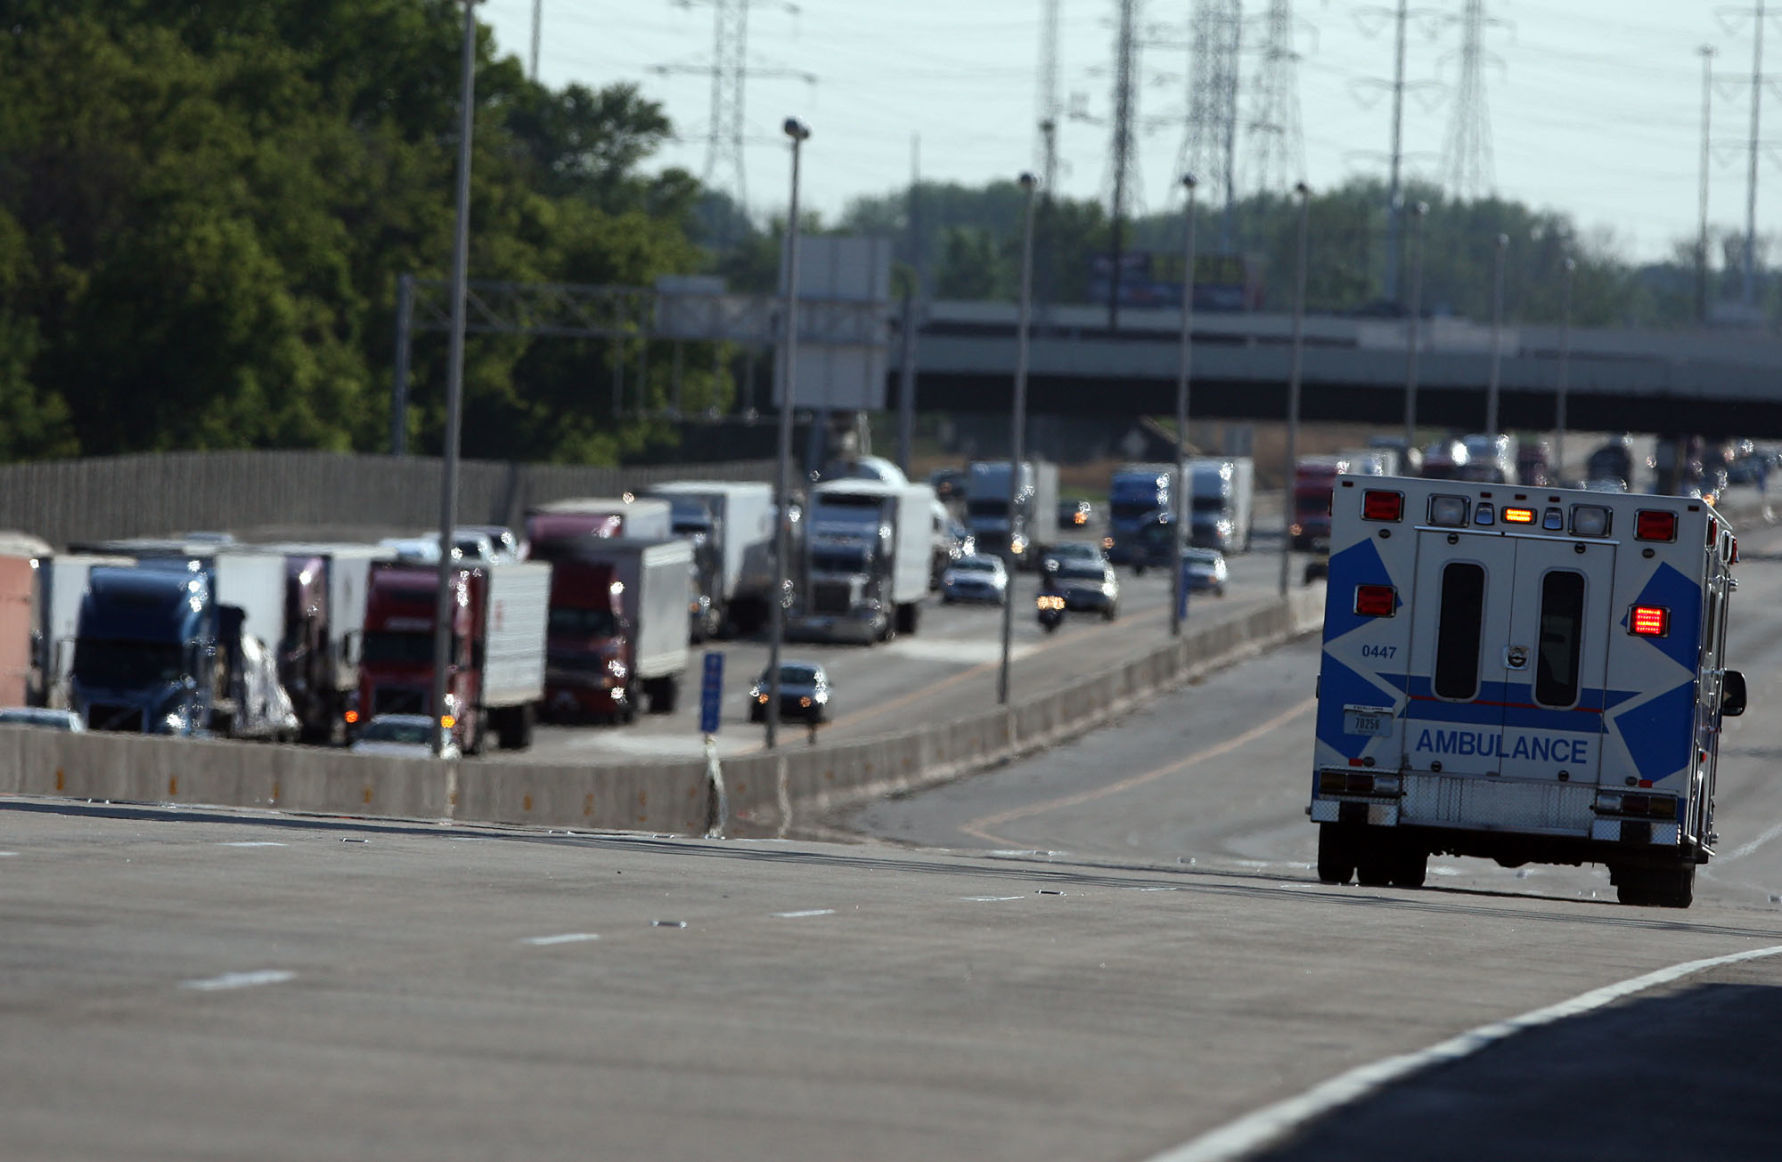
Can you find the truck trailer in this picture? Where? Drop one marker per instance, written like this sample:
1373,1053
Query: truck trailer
1522,674
1221,498
731,526
618,626
496,668
1020,537
598,516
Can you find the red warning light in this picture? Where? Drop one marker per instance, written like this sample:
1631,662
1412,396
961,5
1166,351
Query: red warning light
1376,600
1650,620
1377,505
1653,525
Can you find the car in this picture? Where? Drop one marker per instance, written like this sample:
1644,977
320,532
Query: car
975,578
1204,571
1074,513
804,693
1084,551
1087,587
42,716
403,735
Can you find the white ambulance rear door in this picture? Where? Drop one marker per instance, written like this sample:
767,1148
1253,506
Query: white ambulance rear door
1508,654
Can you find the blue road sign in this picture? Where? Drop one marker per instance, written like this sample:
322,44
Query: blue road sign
711,693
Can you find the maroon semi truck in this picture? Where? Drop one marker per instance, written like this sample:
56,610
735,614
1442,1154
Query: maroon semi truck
497,660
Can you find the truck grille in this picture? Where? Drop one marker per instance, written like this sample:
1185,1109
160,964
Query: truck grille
398,700
101,716
830,597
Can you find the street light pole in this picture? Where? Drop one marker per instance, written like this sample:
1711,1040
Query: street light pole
1299,324
1415,325
1183,367
444,605
1497,322
798,132
1017,429
1565,361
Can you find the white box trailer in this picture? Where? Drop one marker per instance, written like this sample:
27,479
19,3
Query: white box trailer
516,609
254,583
62,584
348,567
1524,674
1023,537
1221,502
741,515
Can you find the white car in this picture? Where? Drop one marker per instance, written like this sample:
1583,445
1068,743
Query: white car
975,578
1204,571
405,735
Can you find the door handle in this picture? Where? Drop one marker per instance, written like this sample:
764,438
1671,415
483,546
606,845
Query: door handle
1515,657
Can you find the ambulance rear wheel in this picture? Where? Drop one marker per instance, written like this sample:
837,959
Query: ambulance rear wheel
1410,867
1336,855
1656,887
1374,867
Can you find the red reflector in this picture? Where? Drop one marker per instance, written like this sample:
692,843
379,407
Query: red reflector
1651,620
1735,552
1376,600
1650,525
1713,531
1382,505
1519,516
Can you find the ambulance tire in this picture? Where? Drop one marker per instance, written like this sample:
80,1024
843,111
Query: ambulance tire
1374,866
1656,887
1410,867
1336,854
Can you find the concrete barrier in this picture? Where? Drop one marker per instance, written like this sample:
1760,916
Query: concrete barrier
768,794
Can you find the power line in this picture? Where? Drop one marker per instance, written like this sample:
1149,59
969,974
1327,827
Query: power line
1275,147
1467,167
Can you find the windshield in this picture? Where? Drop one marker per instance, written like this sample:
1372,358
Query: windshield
1081,571
792,675
385,648
583,622
976,565
386,731
127,664
986,507
1209,504
1128,509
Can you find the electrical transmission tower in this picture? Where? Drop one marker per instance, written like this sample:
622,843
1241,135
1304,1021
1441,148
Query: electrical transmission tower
1050,110
1209,143
1124,159
1467,168
1276,151
730,71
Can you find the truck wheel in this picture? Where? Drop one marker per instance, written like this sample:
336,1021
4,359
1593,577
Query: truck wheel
515,727
1410,867
1655,887
663,695
908,615
1336,855
1374,865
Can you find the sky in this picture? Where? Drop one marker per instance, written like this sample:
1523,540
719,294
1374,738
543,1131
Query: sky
1594,106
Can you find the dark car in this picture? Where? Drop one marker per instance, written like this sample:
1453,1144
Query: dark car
1074,513
804,693
1087,587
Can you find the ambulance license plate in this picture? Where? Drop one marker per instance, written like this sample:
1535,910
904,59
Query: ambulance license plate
1372,720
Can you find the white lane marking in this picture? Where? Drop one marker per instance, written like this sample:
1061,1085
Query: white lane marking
4,854
990,899
561,938
965,653
239,980
1745,849
252,843
1257,1129
803,914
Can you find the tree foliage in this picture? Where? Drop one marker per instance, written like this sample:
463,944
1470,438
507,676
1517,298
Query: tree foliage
205,209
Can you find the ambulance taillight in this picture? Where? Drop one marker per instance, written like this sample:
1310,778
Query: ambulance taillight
1650,620
1383,506
1655,525
1376,600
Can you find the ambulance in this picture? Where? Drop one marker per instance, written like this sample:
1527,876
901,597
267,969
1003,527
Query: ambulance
1523,674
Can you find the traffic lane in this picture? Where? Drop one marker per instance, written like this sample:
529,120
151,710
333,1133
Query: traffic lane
185,982
1687,1071
1217,774
947,668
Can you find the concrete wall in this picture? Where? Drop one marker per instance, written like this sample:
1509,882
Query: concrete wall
768,794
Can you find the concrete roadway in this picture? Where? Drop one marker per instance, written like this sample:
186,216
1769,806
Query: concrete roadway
1100,953
948,668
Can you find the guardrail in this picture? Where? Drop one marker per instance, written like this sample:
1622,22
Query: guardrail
768,794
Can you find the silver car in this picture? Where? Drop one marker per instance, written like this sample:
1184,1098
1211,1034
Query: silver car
975,578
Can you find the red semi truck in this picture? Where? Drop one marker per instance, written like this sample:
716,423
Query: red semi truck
618,625
496,680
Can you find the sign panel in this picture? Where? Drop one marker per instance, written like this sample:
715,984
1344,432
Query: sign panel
711,693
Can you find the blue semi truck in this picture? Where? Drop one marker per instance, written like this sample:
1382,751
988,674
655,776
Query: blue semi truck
159,649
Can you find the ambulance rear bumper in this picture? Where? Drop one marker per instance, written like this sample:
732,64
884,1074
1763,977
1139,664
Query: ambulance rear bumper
1483,804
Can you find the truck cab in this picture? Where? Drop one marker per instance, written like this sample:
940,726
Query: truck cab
866,562
145,651
588,662
396,662
1136,494
1524,674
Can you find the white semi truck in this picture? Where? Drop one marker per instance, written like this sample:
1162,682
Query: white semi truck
1221,500
866,561
1020,537
731,526
1524,674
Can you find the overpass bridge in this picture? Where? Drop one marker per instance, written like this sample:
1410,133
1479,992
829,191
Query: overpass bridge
1353,370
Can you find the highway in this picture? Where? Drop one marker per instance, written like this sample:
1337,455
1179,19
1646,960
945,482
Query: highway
1114,950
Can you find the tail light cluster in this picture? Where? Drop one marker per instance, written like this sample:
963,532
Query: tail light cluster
1645,806
1357,783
